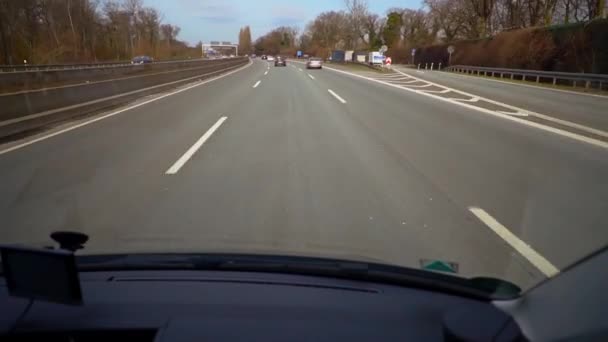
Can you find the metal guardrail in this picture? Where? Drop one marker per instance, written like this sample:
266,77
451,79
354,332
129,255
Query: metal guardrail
20,112
49,67
46,67
587,80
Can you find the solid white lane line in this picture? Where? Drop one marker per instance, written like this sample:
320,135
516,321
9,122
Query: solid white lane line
528,85
474,99
417,86
512,113
405,82
517,109
429,93
570,124
521,247
336,96
192,150
65,130
266,73
257,84
436,91
388,77
311,76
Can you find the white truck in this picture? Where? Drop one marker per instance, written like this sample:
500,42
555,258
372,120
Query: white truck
376,58
348,56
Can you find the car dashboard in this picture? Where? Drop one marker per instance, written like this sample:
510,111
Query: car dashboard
228,306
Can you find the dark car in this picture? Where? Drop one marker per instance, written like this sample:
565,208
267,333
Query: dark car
280,61
142,60
264,57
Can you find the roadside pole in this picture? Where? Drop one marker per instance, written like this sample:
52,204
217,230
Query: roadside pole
450,51
414,57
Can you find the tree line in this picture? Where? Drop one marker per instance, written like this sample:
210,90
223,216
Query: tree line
71,31
245,41
439,21
282,39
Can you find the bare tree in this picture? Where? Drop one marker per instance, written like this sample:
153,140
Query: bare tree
418,28
373,28
541,11
483,9
450,15
357,16
327,31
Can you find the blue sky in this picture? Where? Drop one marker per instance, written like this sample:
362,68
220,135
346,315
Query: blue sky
206,20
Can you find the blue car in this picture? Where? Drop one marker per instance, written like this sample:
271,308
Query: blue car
142,60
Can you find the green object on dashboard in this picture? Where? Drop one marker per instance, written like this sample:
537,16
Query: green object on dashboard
438,265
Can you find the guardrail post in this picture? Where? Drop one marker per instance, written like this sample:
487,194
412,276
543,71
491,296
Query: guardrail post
523,77
501,74
587,84
432,65
573,84
439,67
537,79
426,66
418,66
554,80
512,76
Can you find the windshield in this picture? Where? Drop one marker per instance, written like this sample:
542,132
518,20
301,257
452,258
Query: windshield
462,137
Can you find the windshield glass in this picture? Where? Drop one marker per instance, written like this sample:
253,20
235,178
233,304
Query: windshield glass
463,137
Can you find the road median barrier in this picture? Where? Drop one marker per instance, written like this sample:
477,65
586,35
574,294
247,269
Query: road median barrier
29,110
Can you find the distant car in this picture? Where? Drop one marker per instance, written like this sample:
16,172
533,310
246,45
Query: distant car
142,60
253,55
264,57
306,56
280,61
314,63
270,58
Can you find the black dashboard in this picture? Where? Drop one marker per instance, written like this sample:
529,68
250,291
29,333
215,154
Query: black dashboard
233,306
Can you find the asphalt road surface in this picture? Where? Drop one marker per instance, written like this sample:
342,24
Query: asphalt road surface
585,109
321,163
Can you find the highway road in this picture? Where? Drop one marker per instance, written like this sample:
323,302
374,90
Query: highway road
585,109
323,163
